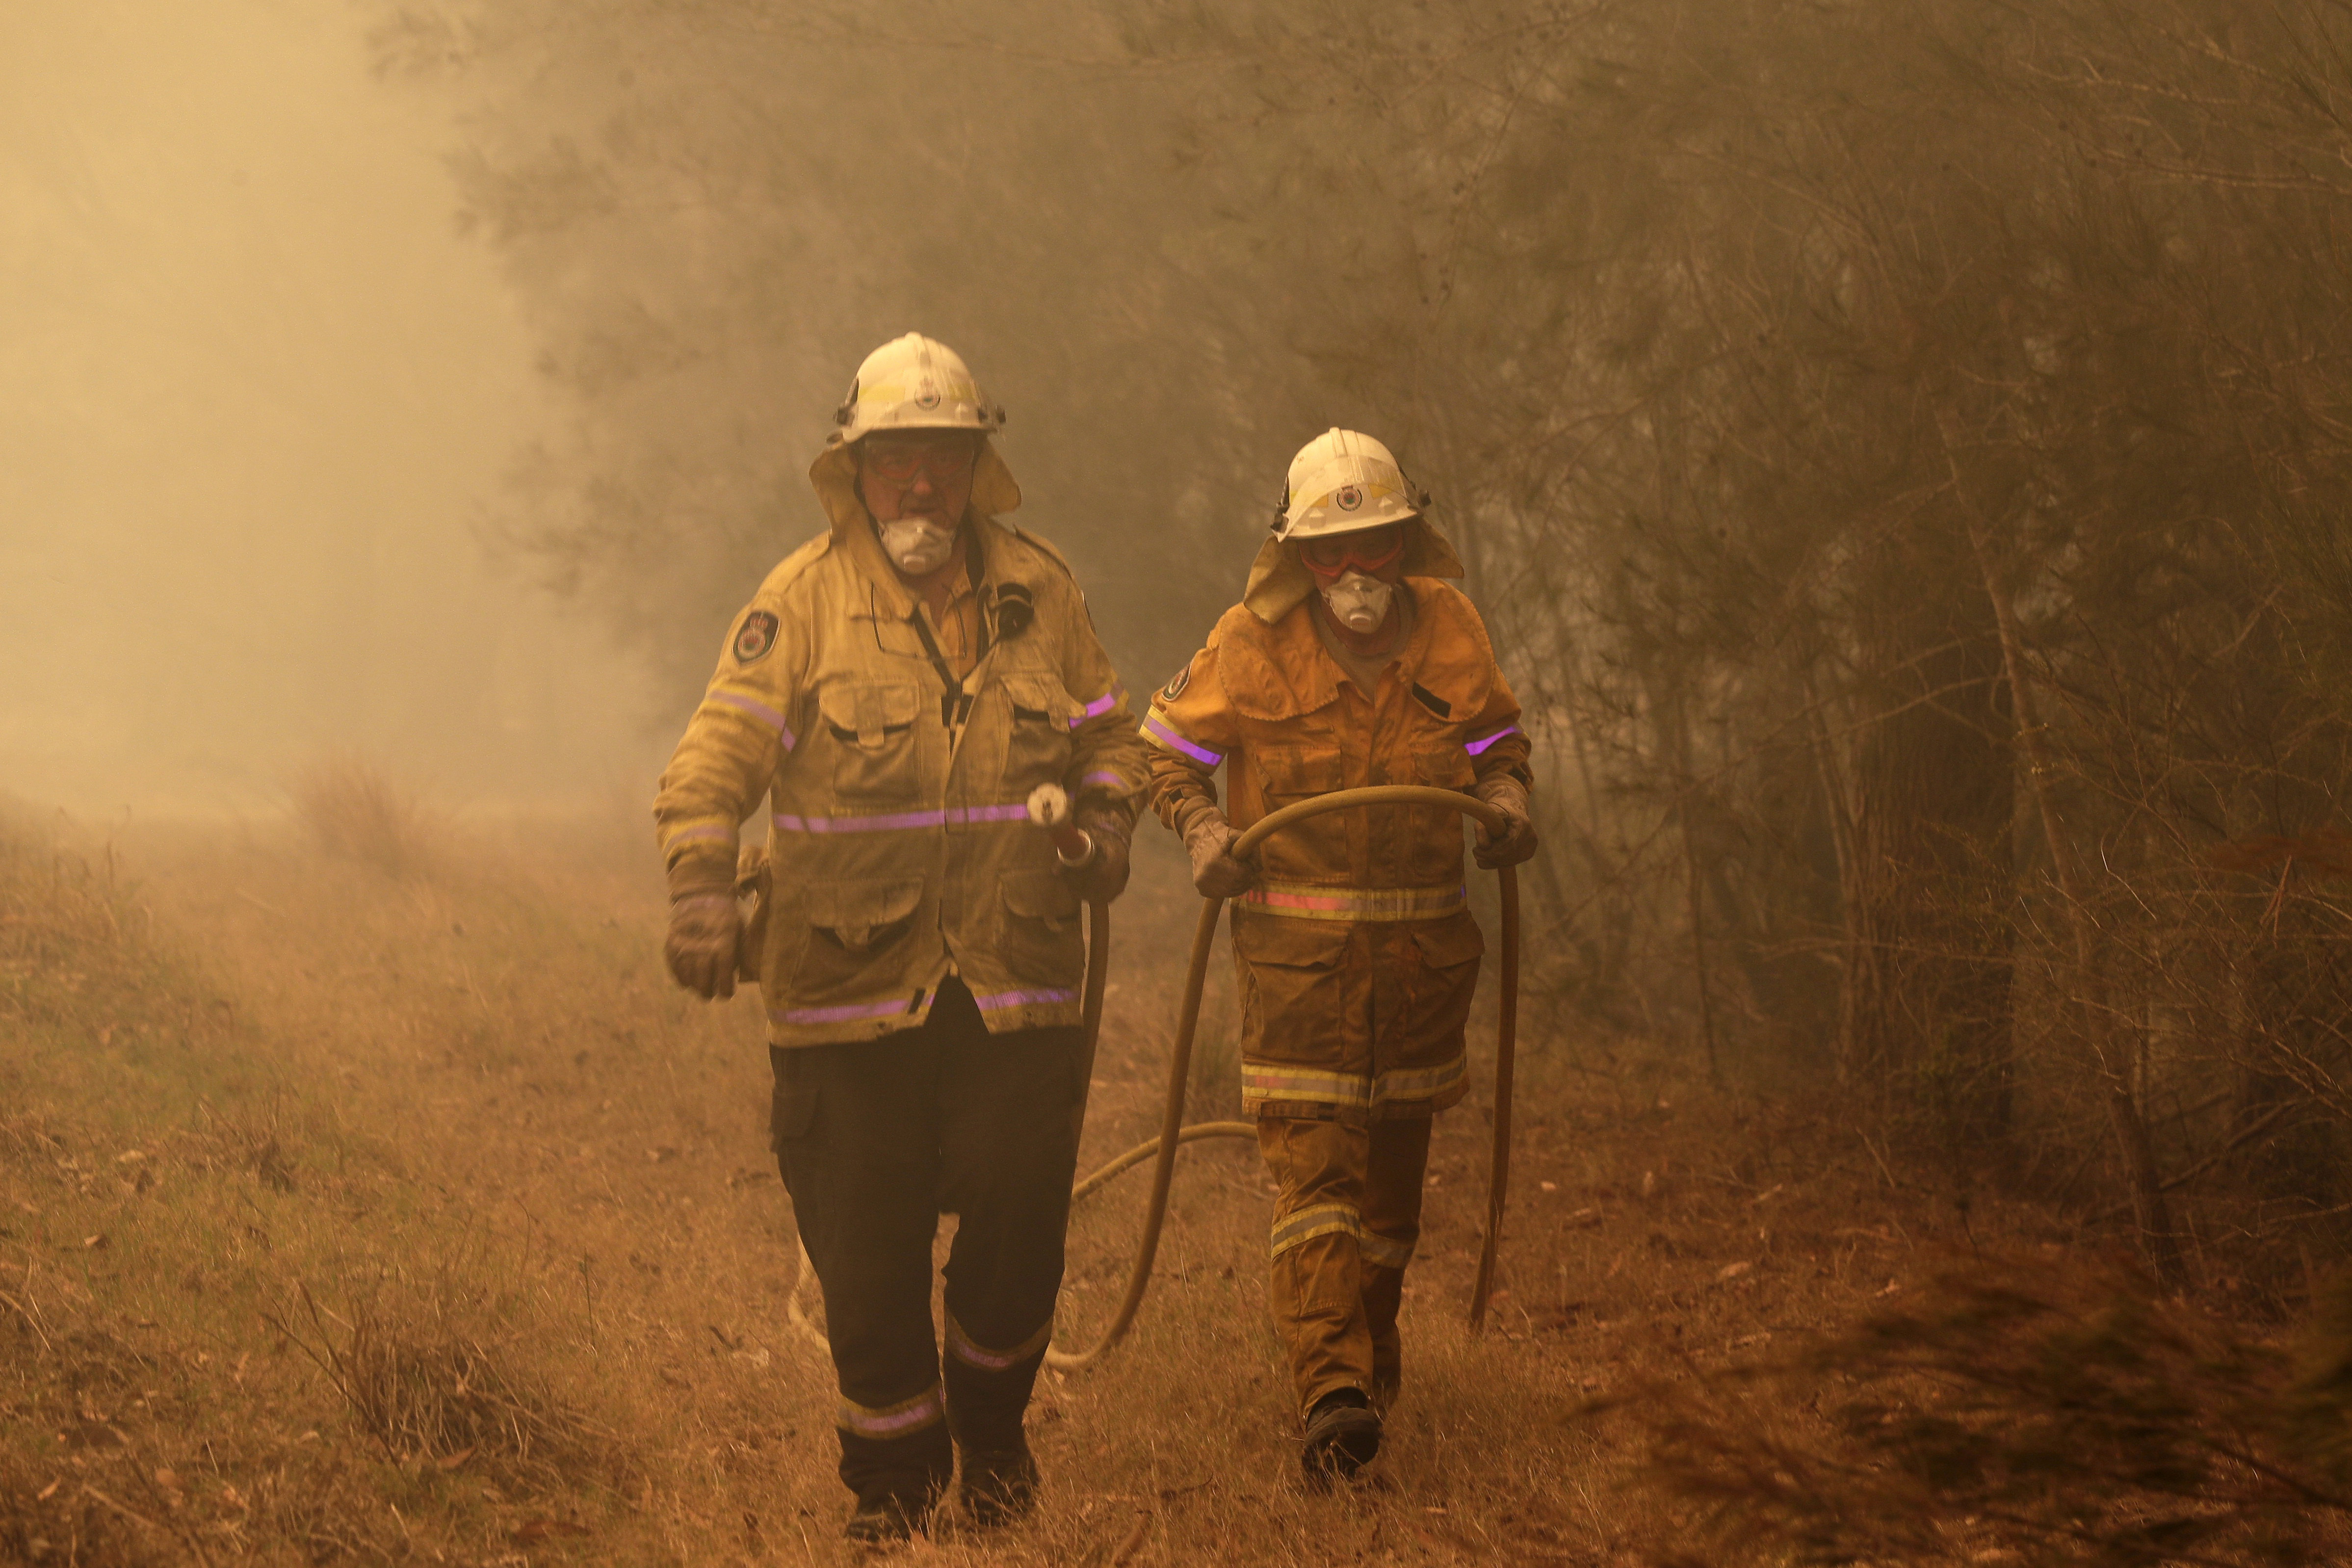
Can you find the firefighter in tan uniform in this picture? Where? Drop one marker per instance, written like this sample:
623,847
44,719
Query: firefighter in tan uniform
896,689
1347,663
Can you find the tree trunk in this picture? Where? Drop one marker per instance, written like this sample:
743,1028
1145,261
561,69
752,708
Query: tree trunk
1925,1020
2139,1151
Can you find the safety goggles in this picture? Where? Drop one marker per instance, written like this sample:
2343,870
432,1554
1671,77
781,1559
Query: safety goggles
1367,551
900,461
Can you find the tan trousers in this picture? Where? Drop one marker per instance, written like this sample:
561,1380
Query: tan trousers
1345,1221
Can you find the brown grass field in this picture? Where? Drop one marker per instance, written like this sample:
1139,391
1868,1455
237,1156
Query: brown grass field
377,1198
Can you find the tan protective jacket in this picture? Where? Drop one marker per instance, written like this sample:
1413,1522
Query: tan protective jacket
898,838
1357,955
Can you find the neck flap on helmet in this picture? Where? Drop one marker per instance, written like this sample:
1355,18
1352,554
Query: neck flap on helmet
1279,581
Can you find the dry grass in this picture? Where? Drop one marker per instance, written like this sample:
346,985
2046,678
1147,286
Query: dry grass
523,1183
354,810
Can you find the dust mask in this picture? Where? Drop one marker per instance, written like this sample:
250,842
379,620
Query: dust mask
1359,603
917,546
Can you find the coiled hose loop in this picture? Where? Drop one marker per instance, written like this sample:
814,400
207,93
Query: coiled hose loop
1173,1128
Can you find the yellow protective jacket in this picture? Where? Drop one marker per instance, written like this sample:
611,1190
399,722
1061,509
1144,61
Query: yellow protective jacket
1357,955
898,840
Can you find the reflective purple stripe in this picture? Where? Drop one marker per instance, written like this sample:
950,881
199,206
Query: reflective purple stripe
759,710
967,813
1483,741
957,816
836,1014
790,824
1158,730
892,1420
998,999
970,1351
1107,780
1099,706
712,830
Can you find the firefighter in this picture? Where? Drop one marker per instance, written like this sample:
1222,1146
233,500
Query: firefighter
897,689
1347,663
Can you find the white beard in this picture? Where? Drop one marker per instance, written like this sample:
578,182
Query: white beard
917,546
1359,603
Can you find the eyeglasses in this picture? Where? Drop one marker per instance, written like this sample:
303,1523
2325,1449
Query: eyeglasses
1366,551
943,461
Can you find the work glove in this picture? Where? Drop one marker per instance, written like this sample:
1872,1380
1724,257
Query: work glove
1510,796
705,931
1215,872
1102,875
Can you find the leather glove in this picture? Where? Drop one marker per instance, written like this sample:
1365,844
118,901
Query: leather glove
1215,872
705,932
1102,875
1508,796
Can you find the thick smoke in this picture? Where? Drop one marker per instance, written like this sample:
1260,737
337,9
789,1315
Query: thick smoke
258,394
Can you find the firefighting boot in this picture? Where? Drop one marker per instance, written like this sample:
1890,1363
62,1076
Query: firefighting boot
985,1407
898,1481
1343,1434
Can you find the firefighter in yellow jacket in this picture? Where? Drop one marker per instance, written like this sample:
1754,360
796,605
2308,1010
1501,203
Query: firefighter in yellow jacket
896,689
1347,662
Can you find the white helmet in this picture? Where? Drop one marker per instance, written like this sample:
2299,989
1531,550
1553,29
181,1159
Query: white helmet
1343,482
915,383
912,383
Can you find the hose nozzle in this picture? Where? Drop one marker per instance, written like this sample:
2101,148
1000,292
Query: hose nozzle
1049,808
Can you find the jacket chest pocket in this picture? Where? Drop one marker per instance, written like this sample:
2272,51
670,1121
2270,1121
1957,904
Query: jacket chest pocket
876,757
1288,773
1037,733
1440,761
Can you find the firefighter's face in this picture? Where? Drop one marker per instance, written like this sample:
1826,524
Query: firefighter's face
917,474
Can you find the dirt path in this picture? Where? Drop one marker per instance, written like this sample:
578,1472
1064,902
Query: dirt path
501,1125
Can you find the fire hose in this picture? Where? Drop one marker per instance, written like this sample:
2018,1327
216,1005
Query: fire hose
1174,1132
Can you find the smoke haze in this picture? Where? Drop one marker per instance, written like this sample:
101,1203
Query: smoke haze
257,393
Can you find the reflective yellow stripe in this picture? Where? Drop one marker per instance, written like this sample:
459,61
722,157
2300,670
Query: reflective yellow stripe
1324,1219
1419,1083
696,830
1305,902
1381,1250
1262,1082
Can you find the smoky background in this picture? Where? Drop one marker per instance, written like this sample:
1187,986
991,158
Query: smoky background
1900,450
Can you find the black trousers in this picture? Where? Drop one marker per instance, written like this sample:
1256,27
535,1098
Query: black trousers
878,1138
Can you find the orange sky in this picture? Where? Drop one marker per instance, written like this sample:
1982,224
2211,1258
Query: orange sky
255,397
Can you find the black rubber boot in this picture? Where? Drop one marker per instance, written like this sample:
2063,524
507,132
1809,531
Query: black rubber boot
1343,1434
985,1411
1000,1484
898,1481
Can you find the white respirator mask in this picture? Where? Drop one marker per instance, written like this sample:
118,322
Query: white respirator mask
1359,603
917,546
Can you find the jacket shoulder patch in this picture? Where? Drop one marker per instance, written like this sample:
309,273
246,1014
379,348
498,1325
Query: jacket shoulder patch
1176,684
754,637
